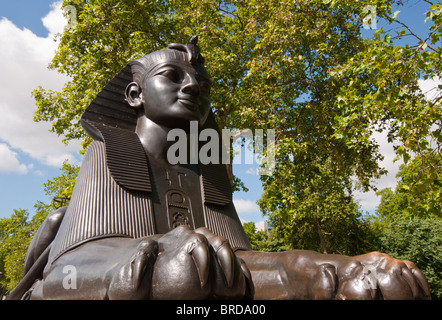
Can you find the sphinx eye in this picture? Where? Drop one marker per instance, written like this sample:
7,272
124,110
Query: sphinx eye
171,74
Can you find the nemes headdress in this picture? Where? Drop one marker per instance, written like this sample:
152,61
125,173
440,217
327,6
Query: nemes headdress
145,66
110,107
109,118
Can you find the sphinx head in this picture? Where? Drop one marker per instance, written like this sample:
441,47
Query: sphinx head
171,87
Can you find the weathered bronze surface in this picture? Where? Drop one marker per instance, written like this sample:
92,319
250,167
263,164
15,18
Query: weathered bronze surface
138,227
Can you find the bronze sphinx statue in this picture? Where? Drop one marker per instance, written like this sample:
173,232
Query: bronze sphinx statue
138,227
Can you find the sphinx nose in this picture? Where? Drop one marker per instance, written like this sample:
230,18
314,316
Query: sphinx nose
190,85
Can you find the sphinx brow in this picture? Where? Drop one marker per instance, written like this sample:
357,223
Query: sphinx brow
199,75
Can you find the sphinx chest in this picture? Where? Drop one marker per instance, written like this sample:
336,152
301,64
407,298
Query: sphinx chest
177,197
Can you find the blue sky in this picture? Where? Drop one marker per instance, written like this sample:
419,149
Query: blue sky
27,14
30,155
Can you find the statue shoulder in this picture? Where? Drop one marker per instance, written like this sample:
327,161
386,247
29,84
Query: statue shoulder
123,155
94,157
95,147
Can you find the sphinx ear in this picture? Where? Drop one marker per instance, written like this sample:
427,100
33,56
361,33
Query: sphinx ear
134,96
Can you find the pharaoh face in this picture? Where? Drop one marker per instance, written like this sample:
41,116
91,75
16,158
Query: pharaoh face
176,92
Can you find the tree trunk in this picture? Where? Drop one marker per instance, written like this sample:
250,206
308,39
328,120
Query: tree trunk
230,173
318,229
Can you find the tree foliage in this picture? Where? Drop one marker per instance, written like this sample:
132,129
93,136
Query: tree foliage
258,239
317,211
302,68
60,187
409,222
418,240
16,232
384,93
272,66
418,192
15,236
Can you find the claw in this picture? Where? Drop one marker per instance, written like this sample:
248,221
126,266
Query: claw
225,259
421,280
200,256
139,268
141,261
250,293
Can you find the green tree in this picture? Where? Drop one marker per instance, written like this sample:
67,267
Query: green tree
418,192
15,236
418,240
317,211
383,93
16,232
373,87
60,188
409,219
302,68
260,240
271,65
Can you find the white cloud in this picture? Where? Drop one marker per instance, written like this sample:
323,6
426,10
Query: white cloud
430,88
9,161
245,206
23,65
55,21
369,200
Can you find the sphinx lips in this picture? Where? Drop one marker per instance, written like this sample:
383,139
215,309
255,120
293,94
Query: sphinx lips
190,104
